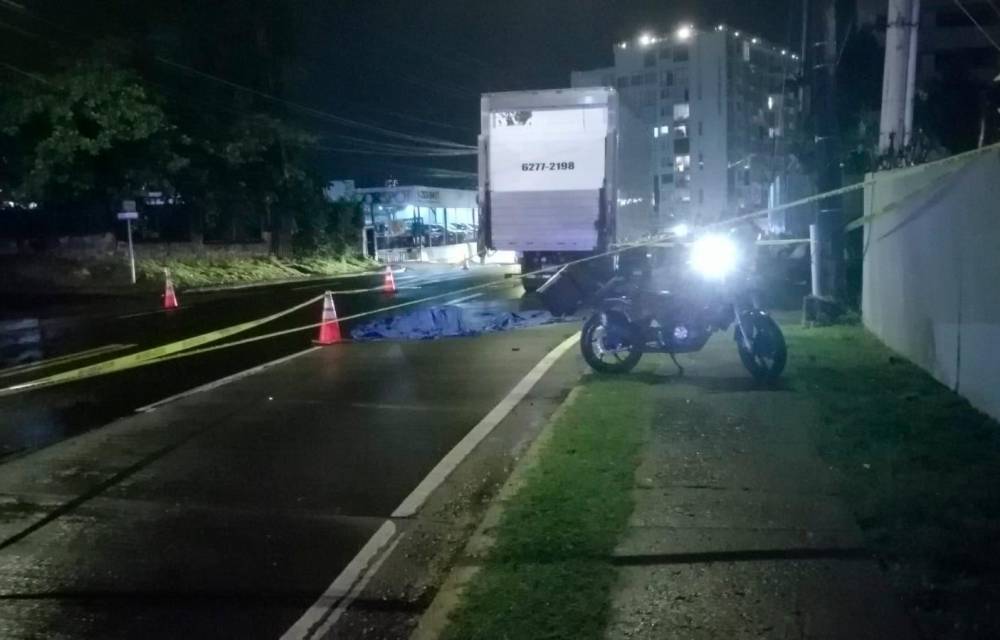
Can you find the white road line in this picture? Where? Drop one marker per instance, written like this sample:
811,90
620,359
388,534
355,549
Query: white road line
465,299
443,469
145,313
223,381
317,621
318,618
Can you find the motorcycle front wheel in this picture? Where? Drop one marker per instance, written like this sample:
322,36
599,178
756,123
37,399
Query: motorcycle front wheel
614,347
768,354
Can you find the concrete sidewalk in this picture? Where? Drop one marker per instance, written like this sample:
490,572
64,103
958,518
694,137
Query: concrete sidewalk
738,529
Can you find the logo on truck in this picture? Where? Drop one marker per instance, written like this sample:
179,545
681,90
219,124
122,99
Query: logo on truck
511,118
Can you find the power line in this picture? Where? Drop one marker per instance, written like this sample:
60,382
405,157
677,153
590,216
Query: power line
311,110
976,22
347,122
24,73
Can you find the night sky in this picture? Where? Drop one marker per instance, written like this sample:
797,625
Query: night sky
433,62
420,67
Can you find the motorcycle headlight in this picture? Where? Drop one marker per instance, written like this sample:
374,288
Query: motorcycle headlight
713,256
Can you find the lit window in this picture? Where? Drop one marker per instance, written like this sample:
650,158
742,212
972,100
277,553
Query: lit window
664,130
681,131
682,163
682,111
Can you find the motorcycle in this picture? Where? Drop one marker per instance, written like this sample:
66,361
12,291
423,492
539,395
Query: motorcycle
631,319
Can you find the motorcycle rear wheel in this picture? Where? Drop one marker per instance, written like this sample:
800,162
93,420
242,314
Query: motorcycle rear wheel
769,353
610,358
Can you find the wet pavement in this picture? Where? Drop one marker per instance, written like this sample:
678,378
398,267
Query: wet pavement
43,417
739,529
227,513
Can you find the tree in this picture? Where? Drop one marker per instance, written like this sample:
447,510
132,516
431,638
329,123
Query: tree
90,133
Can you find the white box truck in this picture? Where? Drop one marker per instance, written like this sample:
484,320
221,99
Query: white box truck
554,185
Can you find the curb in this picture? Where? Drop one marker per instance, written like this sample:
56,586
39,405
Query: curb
434,620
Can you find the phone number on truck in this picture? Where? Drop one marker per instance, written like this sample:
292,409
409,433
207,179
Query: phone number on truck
548,166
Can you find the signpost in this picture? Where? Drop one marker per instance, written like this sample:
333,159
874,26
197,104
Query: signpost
128,214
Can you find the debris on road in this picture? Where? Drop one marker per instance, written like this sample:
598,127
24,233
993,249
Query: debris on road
448,321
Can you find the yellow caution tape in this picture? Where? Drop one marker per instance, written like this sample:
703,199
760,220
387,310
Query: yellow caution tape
188,347
148,355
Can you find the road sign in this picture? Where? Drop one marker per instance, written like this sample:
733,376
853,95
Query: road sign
128,215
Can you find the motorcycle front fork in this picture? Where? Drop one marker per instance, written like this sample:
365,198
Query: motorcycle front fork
744,334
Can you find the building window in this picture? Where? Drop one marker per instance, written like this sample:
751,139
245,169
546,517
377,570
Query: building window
682,111
701,161
682,163
682,146
665,52
649,60
701,129
746,51
668,78
622,82
687,94
667,178
665,93
665,112
650,78
681,130
682,54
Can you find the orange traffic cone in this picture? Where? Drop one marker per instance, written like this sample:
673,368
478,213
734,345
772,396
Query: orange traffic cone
389,284
329,330
169,295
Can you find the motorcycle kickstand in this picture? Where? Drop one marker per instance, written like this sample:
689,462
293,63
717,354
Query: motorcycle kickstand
680,369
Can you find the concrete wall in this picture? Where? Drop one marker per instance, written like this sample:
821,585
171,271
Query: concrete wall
932,271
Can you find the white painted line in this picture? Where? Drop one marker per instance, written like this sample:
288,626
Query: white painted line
223,381
145,313
465,299
318,618
443,469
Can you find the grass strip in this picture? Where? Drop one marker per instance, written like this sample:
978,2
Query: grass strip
548,574
921,469
195,272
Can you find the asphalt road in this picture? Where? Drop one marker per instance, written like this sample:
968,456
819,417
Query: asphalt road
227,513
41,418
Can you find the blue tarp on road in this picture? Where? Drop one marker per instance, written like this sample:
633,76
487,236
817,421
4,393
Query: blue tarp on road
448,321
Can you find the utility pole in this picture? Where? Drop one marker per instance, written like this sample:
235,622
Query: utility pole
821,64
899,75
